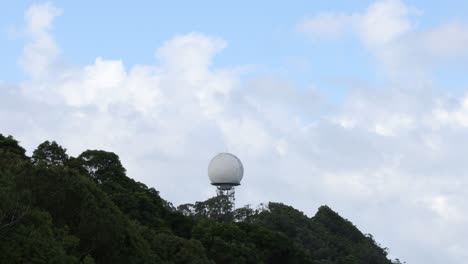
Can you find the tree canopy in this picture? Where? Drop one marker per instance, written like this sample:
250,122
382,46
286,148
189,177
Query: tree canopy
55,208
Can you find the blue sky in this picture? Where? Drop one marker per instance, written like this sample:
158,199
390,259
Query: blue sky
262,33
361,105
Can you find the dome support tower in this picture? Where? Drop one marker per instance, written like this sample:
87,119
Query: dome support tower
228,192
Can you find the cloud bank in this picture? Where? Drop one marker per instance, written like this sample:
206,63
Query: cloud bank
389,158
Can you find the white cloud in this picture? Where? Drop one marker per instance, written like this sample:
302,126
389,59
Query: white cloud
327,24
383,22
388,29
41,54
39,17
446,208
455,114
447,41
186,52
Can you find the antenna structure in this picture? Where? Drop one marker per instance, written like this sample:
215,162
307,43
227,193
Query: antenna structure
226,172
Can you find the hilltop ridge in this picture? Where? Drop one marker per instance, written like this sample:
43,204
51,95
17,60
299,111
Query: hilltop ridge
60,209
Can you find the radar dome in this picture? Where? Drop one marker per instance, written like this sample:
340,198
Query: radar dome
225,169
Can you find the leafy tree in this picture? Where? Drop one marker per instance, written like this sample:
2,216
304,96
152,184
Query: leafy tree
245,214
36,240
76,202
134,199
173,249
27,234
13,169
49,153
102,165
9,144
218,207
186,209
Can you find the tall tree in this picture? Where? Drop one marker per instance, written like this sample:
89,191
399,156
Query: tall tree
9,144
102,165
218,207
50,153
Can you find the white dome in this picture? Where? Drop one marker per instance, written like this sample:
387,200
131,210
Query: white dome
225,168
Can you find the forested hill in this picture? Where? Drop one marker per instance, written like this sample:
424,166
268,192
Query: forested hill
60,209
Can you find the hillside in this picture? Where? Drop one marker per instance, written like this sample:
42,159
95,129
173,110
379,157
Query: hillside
60,209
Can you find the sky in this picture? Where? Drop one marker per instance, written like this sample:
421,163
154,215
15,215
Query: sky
360,105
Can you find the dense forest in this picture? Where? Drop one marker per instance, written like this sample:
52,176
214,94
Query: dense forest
55,208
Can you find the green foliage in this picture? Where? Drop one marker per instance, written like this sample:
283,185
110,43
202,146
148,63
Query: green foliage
10,145
102,165
326,237
60,209
174,249
35,240
50,153
27,234
245,214
218,207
